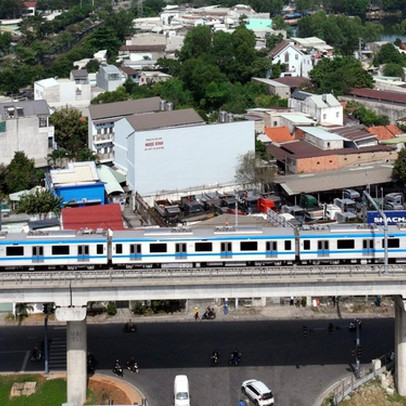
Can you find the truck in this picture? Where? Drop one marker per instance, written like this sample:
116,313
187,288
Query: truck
394,201
268,203
312,210
346,205
171,213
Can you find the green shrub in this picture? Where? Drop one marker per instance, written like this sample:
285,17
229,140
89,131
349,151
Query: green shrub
112,308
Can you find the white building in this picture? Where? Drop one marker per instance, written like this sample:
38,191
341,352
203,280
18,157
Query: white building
297,62
159,154
324,108
24,126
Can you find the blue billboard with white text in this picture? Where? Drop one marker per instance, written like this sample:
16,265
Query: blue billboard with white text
393,217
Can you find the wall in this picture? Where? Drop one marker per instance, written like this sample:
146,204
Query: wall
90,192
179,158
23,134
393,111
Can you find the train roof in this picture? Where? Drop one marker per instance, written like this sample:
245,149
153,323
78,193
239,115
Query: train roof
186,232
349,228
54,234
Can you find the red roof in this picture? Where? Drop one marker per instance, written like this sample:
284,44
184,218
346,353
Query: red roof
383,132
385,96
30,4
278,134
105,216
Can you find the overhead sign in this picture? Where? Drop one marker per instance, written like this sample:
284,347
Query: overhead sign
393,217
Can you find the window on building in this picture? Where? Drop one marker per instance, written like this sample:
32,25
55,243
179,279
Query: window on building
337,114
43,122
324,116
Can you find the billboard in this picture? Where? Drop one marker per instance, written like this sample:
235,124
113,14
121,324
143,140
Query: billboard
393,217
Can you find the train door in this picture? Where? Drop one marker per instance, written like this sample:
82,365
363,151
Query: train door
37,253
226,251
271,249
83,253
135,252
323,248
180,250
368,248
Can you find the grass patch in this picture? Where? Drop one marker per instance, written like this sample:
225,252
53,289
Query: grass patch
50,392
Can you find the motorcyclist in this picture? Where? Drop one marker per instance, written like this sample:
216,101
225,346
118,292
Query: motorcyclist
215,357
132,365
235,356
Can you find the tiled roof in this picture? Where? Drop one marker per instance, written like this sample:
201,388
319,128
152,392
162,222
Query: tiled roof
383,132
105,216
278,134
278,48
380,95
292,81
353,133
124,108
164,119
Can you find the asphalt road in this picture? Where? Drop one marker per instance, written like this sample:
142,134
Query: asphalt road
297,368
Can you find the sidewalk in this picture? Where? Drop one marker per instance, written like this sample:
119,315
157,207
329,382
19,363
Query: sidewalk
272,311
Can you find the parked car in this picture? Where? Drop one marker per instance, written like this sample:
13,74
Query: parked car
181,391
257,392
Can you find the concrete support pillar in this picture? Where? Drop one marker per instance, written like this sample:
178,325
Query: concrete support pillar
400,345
76,357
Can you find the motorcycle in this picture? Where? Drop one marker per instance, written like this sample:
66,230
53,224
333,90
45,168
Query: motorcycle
118,370
214,359
209,314
132,366
36,354
91,364
352,326
235,358
129,328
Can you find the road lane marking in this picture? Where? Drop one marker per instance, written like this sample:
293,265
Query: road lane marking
25,362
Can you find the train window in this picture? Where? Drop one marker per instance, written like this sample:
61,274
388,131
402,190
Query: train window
367,244
60,250
38,251
345,244
392,243
14,251
83,250
288,245
249,246
271,246
306,244
157,248
99,249
119,248
203,246
135,248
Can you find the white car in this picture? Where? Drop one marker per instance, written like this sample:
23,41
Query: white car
257,392
181,391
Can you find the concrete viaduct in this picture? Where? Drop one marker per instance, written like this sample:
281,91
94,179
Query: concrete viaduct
72,290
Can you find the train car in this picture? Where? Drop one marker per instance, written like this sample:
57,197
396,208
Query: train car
50,249
184,247
351,243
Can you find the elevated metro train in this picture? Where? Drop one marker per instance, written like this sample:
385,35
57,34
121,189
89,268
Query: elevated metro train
220,246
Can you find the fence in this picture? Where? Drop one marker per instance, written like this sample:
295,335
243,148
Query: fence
365,374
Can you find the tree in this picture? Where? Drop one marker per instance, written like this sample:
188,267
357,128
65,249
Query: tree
22,310
120,94
252,172
20,174
86,154
197,43
338,75
41,202
70,129
389,54
58,158
399,168
394,69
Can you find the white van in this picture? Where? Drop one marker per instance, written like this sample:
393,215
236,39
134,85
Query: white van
181,391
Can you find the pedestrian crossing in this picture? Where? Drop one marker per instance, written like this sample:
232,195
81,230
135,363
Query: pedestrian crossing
57,354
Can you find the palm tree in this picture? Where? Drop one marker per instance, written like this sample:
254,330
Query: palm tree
21,311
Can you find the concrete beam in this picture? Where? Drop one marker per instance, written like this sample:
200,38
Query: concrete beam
400,345
76,356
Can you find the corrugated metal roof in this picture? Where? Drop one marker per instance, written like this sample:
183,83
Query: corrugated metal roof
321,133
75,173
124,108
337,179
164,119
110,182
292,81
380,95
105,216
297,118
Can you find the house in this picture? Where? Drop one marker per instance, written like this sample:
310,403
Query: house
146,77
296,61
102,119
31,7
385,132
278,135
325,108
78,185
25,126
182,149
109,77
273,87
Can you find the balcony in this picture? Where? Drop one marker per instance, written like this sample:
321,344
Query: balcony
102,138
